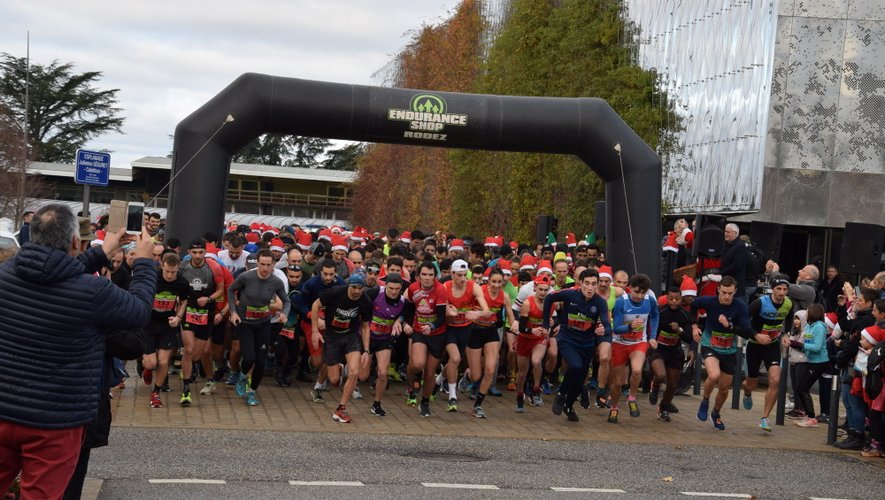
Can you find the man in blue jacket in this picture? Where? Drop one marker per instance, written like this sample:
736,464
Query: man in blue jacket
51,314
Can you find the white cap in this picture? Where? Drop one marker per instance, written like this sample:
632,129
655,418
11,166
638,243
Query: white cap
459,266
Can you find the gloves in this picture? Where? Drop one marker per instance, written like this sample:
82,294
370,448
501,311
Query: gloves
795,344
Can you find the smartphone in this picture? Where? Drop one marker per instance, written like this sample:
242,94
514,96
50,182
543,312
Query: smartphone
134,217
116,215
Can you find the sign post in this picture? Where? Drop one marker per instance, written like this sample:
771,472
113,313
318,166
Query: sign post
93,169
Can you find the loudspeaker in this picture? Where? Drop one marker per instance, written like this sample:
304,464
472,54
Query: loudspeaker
546,224
709,235
862,248
767,237
599,219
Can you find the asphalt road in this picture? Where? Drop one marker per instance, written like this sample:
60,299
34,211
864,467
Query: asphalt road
262,464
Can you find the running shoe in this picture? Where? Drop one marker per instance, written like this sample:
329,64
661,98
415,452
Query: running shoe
536,400
357,394
453,405
748,402
558,404
240,388
511,385
233,378
185,399
764,425
478,413
873,451
494,391
823,419
341,415
807,423
602,400
463,384
663,415
156,402
717,421
703,409
520,404
251,400
545,387
317,395
672,408
653,394
613,416
165,387
147,376
425,409
208,388
570,414
796,414
411,399
585,397
377,410
634,408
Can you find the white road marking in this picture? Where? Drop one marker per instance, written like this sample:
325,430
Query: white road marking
461,486
586,490
707,494
187,481
825,498
326,483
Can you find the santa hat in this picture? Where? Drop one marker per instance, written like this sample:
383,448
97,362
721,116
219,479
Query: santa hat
606,272
211,251
499,241
406,237
359,234
255,227
339,242
527,262
545,266
571,240
304,240
335,230
326,234
277,244
670,245
490,241
542,280
688,286
873,334
831,320
504,265
457,245
252,237
99,238
514,245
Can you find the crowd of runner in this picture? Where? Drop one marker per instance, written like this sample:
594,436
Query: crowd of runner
449,317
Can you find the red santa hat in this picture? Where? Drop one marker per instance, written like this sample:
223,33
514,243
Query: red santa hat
339,242
490,241
499,241
545,266
359,234
688,286
335,230
326,234
606,272
527,262
504,265
457,245
253,237
304,240
406,237
670,245
99,237
873,334
255,227
831,320
211,251
514,245
571,240
277,245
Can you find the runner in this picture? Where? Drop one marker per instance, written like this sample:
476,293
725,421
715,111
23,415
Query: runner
635,325
466,304
170,303
610,294
666,360
485,340
531,344
345,338
769,315
583,319
251,317
290,340
386,325
425,312
312,289
196,330
725,318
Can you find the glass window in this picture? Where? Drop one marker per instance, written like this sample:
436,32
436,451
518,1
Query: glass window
249,185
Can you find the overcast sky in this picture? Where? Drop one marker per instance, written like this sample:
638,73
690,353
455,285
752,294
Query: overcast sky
169,57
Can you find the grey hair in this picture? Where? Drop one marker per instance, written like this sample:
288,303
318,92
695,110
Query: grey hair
54,225
734,227
813,272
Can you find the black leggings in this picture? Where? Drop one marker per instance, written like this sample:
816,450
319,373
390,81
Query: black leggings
807,374
254,340
285,349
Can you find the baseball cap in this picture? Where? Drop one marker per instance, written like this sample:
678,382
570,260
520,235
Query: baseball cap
198,243
460,265
394,278
251,261
356,280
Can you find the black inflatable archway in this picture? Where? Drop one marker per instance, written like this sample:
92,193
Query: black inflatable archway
586,127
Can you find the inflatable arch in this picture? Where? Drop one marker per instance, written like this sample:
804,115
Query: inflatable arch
256,104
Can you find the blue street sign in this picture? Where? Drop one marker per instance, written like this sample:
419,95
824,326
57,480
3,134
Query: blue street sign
93,168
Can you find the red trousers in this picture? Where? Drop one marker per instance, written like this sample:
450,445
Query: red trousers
46,458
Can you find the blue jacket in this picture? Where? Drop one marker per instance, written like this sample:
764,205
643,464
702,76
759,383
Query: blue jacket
815,341
51,313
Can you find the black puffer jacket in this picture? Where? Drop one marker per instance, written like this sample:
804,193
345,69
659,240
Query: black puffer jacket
51,350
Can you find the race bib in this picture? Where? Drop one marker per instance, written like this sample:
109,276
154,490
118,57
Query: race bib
163,304
196,316
289,333
721,340
257,312
340,324
773,333
381,326
578,322
668,339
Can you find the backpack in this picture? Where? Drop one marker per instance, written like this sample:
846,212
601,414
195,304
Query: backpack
873,381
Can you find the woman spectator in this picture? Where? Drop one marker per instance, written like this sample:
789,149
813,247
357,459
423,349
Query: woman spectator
813,345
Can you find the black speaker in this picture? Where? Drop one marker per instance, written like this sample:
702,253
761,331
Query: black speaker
709,235
599,219
546,224
767,237
862,248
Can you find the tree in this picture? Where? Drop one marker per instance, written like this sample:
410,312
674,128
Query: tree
16,188
65,109
284,150
308,151
344,158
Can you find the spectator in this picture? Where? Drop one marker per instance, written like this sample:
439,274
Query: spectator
734,260
47,276
804,291
831,287
25,231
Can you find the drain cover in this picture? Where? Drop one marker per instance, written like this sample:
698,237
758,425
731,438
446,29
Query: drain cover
444,457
